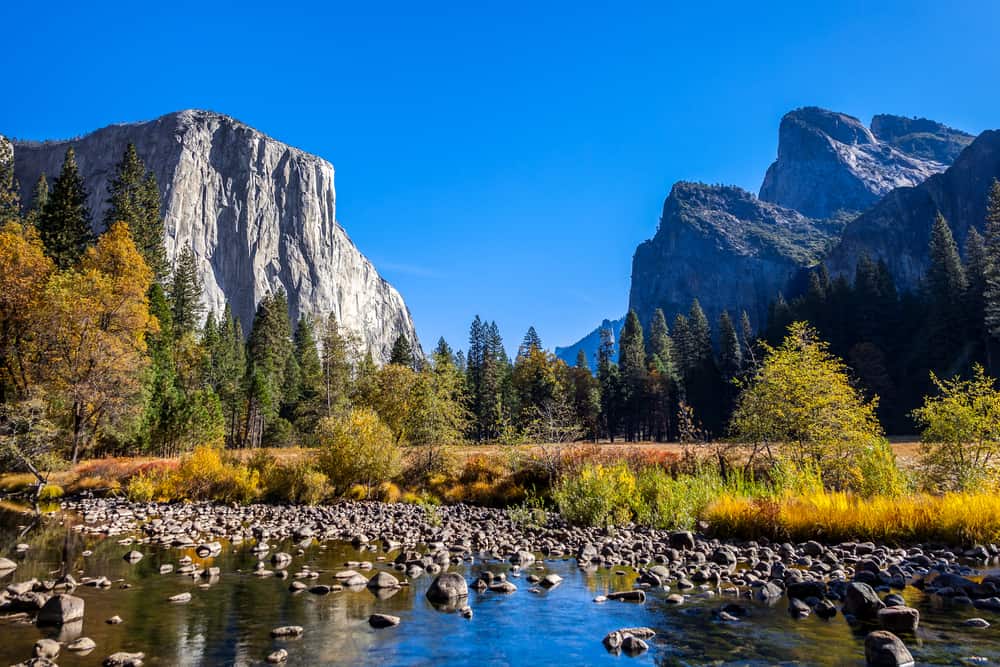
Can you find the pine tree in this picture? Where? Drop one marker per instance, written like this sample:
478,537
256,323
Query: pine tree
610,386
39,197
226,369
750,356
185,293
531,342
336,360
268,350
309,408
632,369
730,352
443,350
659,342
992,292
402,352
703,383
681,347
134,198
586,396
65,221
976,271
946,287
10,195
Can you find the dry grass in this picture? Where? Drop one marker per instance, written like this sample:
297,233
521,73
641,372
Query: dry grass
955,518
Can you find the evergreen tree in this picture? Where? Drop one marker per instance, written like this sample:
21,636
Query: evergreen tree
730,351
750,356
442,350
185,293
702,383
681,348
992,292
632,370
308,410
659,342
39,198
337,362
65,221
946,287
10,195
402,352
531,342
226,368
977,272
586,396
610,386
268,350
134,198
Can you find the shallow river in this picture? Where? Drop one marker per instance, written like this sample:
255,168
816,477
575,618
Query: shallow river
228,622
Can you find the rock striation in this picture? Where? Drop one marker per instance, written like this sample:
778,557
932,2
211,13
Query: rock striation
260,216
725,247
830,164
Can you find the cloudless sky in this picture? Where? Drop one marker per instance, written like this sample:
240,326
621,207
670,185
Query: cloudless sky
503,158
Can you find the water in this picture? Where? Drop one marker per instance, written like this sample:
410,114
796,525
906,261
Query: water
228,622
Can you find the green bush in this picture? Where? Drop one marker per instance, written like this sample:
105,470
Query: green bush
299,483
357,449
663,501
596,495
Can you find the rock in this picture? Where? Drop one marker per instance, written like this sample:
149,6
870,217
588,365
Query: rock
209,550
383,580
166,569
114,620
7,565
132,557
383,620
769,593
900,620
61,609
522,558
861,601
826,609
448,587
260,215
628,596
975,623
279,656
632,645
683,540
47,648
287,631
466,611
551,580
281,559
123,659
180,597
503,587
884,649
81,645
674,598
798,609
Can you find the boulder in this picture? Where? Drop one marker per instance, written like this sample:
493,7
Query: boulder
61,609
448,587
899,619
861,601
383,620
884,649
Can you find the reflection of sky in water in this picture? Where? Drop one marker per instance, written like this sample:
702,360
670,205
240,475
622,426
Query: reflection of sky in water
228,622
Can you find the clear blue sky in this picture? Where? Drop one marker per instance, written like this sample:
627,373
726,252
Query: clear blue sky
503,158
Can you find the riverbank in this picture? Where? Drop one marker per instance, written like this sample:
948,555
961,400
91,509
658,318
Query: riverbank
696,593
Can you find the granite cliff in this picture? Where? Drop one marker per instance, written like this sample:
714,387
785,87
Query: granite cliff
259,214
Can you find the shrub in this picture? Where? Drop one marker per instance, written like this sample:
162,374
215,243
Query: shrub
357,492
357,449
663,501
597,495
50,492
141,488
961,431
388,492
205,474
295,482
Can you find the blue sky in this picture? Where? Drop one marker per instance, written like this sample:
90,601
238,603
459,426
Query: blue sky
504,158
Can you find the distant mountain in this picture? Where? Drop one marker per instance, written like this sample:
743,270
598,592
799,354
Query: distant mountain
259,214
734,251
830,163
897,229
725,247
591,343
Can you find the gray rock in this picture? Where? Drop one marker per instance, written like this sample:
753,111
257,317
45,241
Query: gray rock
260,216
861,601
47,648
277,657
180,597
551,580
628,596
60,610
132,556
899,619
448,587
383,620
383,580
7,565
975,623
884,649
123,659
81,645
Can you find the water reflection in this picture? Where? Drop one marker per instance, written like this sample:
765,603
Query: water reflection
229,618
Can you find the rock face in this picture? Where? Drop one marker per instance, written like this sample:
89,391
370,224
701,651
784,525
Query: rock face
259,214
591,343
725,247
829,163
897,229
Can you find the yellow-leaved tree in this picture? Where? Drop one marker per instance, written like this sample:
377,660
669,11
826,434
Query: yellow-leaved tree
92,325
24,271
800,407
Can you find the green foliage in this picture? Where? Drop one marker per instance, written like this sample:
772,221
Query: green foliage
357,448
402,352
134,198
961,432
597,495
10,196
64,225
801,403
185,293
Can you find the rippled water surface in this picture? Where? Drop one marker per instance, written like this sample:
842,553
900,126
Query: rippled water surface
228,621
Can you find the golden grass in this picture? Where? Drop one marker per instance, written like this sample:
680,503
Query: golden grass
956,518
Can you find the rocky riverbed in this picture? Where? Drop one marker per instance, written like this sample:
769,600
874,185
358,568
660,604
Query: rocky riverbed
402,571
